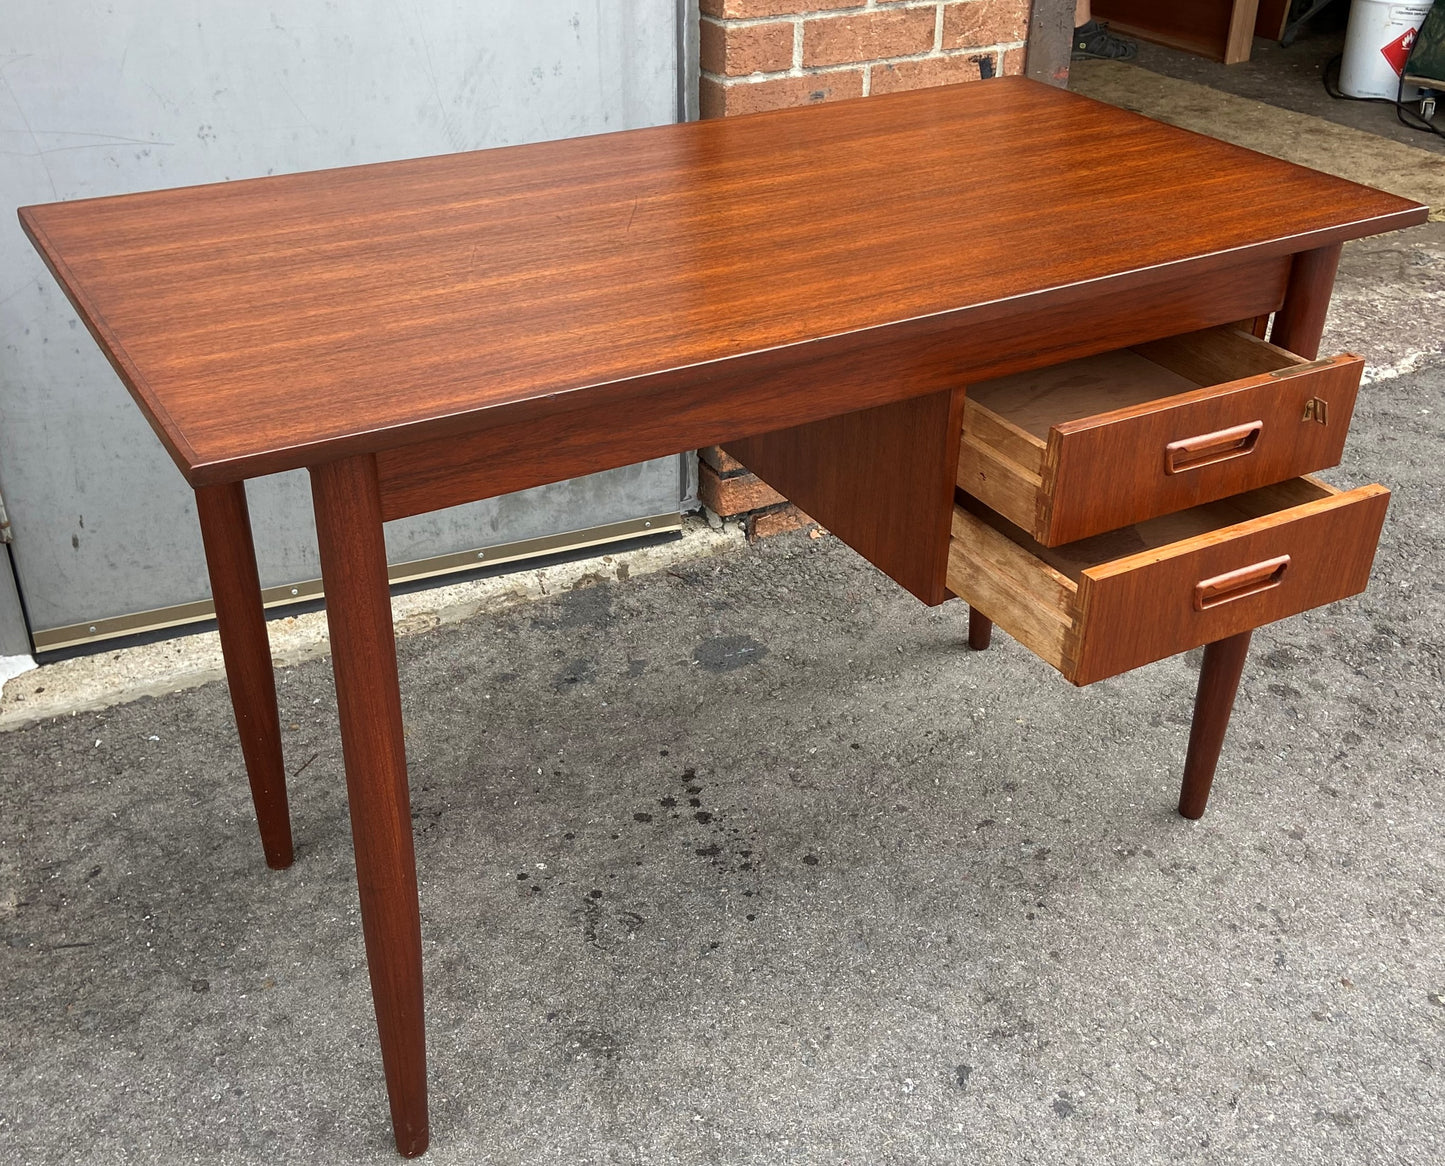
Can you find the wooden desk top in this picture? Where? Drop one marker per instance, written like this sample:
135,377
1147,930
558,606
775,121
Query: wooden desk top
278,322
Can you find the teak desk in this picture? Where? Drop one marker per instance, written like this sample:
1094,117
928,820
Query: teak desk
813,288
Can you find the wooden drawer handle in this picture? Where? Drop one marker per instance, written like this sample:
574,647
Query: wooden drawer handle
1234,585
1208,448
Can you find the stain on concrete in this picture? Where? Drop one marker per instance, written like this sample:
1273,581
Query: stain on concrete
588,605
579,671
728,653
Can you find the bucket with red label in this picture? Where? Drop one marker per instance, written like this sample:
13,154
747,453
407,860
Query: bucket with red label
1377,45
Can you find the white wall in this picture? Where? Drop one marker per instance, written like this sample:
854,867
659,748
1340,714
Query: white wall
110,97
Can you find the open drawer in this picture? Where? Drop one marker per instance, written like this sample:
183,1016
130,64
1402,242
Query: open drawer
1103,605
1091,445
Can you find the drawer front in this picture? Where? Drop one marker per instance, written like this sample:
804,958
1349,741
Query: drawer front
1313,546
1113,469
1161,602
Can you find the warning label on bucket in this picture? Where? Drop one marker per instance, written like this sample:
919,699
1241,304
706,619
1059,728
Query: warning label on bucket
1397,52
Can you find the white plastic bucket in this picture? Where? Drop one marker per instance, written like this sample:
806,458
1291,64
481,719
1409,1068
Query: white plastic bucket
1377,42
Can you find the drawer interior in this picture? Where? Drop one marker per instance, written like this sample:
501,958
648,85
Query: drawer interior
1073,559
1031,403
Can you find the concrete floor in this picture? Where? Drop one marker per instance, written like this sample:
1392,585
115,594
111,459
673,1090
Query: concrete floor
1290,78
748,860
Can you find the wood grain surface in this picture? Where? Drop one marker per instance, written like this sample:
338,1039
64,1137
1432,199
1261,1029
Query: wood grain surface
1106,604
1037,401
368,699
1300,323
1220,354
880,479
549,438
241,622
1011,587
280,322
1111,470
1140,608
1096,444
1213,702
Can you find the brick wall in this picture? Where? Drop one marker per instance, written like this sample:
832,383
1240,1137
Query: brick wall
765,54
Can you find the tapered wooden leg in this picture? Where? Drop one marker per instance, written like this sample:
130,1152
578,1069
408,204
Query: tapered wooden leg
363,657
236,589
1218,682
1300,322
980,630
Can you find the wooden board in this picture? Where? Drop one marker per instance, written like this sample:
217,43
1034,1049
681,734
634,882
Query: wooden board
880,479
994,431
1095,444
999,482
1139,609
1270,20
1218,355
1222,29
1115,468
281,322
995,576
1101,551
1005,411
564,434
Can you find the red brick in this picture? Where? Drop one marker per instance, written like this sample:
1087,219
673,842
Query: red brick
747,9
711,96
870,36
981,23
891,78
738,49
720,460
775,520
1013,63
735,495
721,99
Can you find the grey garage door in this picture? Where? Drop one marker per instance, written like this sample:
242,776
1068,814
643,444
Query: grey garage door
138,94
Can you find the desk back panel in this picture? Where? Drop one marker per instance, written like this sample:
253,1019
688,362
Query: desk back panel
880,479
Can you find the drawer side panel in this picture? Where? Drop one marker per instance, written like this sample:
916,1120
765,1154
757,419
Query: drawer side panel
1024,596
880,479
998,482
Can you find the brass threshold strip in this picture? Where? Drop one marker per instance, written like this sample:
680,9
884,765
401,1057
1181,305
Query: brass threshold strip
73,635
